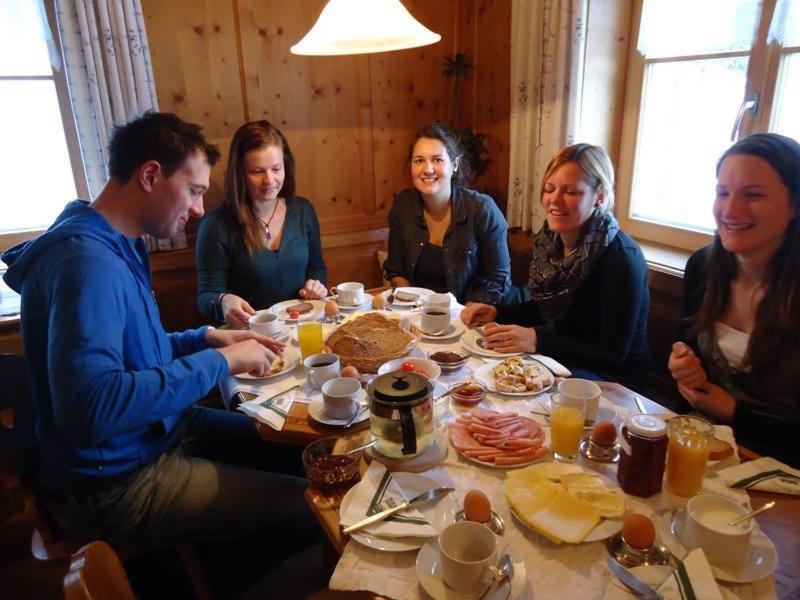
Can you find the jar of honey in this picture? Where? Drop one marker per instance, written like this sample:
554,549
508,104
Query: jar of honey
643,455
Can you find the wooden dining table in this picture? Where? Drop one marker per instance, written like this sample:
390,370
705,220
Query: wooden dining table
781,524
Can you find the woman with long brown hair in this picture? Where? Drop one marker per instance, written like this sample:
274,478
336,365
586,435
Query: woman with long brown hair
741,308
262,245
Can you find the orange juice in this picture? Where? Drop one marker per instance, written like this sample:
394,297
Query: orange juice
687,454
309,336
566,427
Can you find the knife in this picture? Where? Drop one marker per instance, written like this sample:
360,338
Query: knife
639,587
416,501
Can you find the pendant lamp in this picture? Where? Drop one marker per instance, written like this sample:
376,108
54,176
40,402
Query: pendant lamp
364,26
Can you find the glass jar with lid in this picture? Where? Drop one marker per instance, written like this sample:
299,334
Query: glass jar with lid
643,455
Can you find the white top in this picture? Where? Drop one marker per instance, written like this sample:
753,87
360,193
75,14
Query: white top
732,343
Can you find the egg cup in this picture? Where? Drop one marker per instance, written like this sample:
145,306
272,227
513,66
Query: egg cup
629,557
496,523
603,454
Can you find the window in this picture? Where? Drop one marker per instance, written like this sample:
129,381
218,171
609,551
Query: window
688,77
39,157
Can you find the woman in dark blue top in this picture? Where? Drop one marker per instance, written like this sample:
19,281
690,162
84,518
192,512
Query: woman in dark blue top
262,245
443,236
588,279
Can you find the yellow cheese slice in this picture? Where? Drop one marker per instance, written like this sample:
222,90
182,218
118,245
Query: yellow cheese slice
529,498
565,518
609,502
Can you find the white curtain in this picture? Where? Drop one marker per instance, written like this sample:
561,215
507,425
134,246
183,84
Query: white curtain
107,62
547,55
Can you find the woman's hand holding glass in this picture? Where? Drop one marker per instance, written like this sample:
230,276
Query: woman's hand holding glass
236,311
313,290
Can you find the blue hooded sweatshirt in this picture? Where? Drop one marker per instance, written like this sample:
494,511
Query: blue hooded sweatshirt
110,386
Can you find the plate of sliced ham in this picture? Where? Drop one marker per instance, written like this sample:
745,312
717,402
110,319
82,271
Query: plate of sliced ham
501,440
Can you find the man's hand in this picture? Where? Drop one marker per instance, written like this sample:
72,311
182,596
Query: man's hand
477,313
712,400
249,356
221,338
236,311
509,338
313,290
685,367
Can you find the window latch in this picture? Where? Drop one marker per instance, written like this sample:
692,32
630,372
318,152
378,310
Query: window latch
749,104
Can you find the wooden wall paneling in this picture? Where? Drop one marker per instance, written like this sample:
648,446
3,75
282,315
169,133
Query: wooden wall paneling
354,256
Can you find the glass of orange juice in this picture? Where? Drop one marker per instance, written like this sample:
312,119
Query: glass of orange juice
309,336
687,454
566,426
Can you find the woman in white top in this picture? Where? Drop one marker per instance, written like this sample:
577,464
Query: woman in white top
740,363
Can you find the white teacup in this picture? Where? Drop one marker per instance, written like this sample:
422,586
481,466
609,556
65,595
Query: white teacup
469,553
350,293
340,397
265,323
436,300
320,368
582,389
706,526
434,319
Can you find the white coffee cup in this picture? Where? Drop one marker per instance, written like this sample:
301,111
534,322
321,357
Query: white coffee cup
265,323
582,389
320,368
436,300
469,552
340,397
706,526
434,319
350,293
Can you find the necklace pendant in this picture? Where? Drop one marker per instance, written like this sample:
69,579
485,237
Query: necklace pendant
268,232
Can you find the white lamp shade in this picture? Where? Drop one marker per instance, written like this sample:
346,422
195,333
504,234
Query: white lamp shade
364,26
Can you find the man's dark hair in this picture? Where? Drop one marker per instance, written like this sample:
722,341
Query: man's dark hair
162,137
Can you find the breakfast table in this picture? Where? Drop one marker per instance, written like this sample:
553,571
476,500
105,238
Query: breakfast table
550,568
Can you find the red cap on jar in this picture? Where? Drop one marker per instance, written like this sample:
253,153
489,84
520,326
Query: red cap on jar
646,425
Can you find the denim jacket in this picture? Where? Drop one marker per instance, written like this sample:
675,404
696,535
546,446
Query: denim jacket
476,260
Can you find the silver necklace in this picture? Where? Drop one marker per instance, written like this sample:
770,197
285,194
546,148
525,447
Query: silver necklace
266,224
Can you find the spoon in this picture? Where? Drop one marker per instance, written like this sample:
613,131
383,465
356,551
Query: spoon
504,571
356,414
369,444
752,513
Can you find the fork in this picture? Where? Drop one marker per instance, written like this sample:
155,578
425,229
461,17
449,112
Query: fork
390,297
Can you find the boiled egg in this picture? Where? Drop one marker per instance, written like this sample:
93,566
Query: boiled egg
638,531
331,308
477,507
604,434
351,372
379,301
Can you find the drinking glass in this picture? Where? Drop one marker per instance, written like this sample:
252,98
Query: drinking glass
566,426
309,336
687,454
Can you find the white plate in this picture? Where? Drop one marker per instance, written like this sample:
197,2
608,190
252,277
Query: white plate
411,290
456,329
291,356
439,514
280,310
469,341
429,574
544,458
652,575
761,559
367,304
316,412
485,376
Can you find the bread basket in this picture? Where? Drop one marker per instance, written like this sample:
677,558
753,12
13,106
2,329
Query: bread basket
363,345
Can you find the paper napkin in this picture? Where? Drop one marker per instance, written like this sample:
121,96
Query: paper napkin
692,579
556,367
269,409
765,474
376,492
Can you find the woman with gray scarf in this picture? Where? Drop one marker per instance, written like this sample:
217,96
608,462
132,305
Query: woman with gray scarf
588,279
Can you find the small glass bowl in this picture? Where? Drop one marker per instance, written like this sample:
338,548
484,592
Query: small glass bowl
468,392
326,470
449,366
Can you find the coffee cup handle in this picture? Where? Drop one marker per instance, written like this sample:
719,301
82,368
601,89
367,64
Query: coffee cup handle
333,292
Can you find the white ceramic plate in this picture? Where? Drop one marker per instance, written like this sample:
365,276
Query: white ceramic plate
439,514
291,357
469,341
280,310
411,290
544,458
761,559
455,330
316,412
485,376
367,304
429,574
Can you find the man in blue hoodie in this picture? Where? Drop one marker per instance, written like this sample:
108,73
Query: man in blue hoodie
113,392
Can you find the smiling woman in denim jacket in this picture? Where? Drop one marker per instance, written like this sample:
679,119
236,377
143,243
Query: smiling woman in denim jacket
443,236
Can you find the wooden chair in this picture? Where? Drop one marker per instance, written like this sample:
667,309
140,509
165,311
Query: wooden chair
96,573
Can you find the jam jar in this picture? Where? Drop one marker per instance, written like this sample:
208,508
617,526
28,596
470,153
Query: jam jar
643,455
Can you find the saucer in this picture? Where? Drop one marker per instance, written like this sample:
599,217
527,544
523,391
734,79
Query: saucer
761,559
315,411
652,575
429,574
454,330
282,335
366,304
